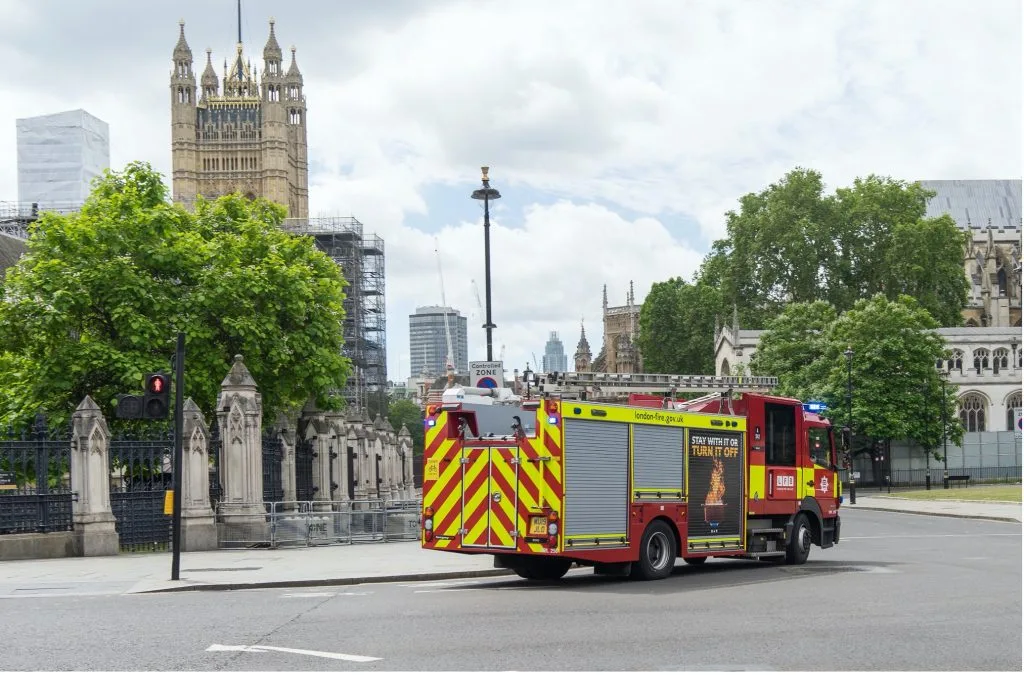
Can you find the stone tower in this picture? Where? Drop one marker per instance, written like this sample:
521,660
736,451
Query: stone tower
246,134
582,356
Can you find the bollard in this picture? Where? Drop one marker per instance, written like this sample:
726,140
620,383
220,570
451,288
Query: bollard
927,481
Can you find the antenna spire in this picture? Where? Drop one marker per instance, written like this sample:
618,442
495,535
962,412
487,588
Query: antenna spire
239,21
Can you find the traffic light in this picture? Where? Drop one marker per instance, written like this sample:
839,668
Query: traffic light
129,407
156,396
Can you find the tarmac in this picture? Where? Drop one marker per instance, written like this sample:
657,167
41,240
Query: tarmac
333,565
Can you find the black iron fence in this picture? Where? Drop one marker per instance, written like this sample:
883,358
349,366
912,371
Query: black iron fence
273,454
905,478
35,479
213,448
304,489
141,471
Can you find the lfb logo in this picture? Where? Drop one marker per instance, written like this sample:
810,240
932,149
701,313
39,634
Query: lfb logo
785,481
824,484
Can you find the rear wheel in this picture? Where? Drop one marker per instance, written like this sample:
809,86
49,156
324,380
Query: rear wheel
543,569
657,553
799,546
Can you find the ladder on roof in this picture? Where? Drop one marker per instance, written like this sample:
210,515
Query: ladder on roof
623,384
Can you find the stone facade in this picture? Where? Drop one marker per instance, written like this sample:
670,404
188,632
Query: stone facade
247,136
992,262
620,353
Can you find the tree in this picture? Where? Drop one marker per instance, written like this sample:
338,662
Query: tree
793,243
792,348
897,391
677,327
405,412
100,295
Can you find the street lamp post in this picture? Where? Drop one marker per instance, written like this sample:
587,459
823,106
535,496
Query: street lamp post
487,193
849,423
945,458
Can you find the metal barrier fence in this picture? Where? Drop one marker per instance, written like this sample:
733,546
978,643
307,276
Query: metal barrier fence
903,478
310,523
35,480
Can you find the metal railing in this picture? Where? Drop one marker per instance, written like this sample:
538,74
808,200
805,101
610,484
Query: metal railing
907,478
35,480
316,523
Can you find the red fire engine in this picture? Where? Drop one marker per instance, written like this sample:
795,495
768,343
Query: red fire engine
596,470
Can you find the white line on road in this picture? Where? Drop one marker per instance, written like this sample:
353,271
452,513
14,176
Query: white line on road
444,590
325,594
262,649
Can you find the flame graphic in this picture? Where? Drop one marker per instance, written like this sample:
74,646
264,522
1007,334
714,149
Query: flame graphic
716,490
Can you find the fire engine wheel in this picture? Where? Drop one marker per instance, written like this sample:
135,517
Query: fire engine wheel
543,569
657,553
799,546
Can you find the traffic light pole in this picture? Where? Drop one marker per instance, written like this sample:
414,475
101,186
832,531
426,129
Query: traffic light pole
179,423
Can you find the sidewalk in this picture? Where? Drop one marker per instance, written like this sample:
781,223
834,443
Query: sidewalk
229,569
939,507
331,565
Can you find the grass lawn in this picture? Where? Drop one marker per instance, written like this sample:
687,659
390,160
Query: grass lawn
991,493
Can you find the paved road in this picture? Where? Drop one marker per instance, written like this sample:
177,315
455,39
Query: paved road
903,592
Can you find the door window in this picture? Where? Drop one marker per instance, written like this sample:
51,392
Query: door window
820,446
780,428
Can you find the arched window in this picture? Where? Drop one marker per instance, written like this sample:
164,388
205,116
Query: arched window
725,367
956,361
972,412
971,323
980,360
1012,401
1000,359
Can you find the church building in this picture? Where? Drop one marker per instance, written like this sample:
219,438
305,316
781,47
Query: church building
244,131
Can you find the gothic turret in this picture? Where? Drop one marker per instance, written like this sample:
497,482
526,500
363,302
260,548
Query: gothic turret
183,117
209,81
273,71
582,357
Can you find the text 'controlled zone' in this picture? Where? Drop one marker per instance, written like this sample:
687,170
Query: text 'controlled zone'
627,486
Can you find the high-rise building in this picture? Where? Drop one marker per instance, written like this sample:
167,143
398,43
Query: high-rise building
59,155
428,340
247,136
554,359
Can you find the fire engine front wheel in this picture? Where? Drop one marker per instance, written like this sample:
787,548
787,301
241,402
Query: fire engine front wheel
657,553
799,546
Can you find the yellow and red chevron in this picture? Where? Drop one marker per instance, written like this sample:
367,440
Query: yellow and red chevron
465,479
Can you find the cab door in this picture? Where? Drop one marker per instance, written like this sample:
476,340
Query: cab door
782,486
821,480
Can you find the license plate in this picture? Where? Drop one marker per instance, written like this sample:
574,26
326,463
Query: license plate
538,526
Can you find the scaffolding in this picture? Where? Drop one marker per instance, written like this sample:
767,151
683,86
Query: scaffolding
15,217
361,259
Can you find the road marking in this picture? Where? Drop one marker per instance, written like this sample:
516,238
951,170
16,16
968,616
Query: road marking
262,649
444,590
325,594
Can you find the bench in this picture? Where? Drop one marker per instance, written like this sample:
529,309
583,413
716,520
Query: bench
960,479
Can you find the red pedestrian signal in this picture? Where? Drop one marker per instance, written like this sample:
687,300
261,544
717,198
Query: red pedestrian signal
156,400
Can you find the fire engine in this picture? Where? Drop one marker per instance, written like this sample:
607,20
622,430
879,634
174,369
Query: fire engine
619,473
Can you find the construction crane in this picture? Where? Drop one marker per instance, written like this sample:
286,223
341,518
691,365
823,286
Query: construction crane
476,292
450,362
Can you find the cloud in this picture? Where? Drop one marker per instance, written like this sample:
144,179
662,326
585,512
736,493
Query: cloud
632,129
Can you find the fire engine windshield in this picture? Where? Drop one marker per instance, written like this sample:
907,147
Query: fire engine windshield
498,420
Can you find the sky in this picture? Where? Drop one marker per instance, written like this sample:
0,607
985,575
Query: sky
618,133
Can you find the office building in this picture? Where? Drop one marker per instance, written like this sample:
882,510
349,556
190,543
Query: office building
428,340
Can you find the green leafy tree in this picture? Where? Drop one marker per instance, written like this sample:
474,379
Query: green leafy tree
677,327
897,391
405,412
792,242
926,261
100,295
792,348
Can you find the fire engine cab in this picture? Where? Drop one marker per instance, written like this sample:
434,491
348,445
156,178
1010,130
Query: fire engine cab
617,472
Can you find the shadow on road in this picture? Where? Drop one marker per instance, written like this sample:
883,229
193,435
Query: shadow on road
687,579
